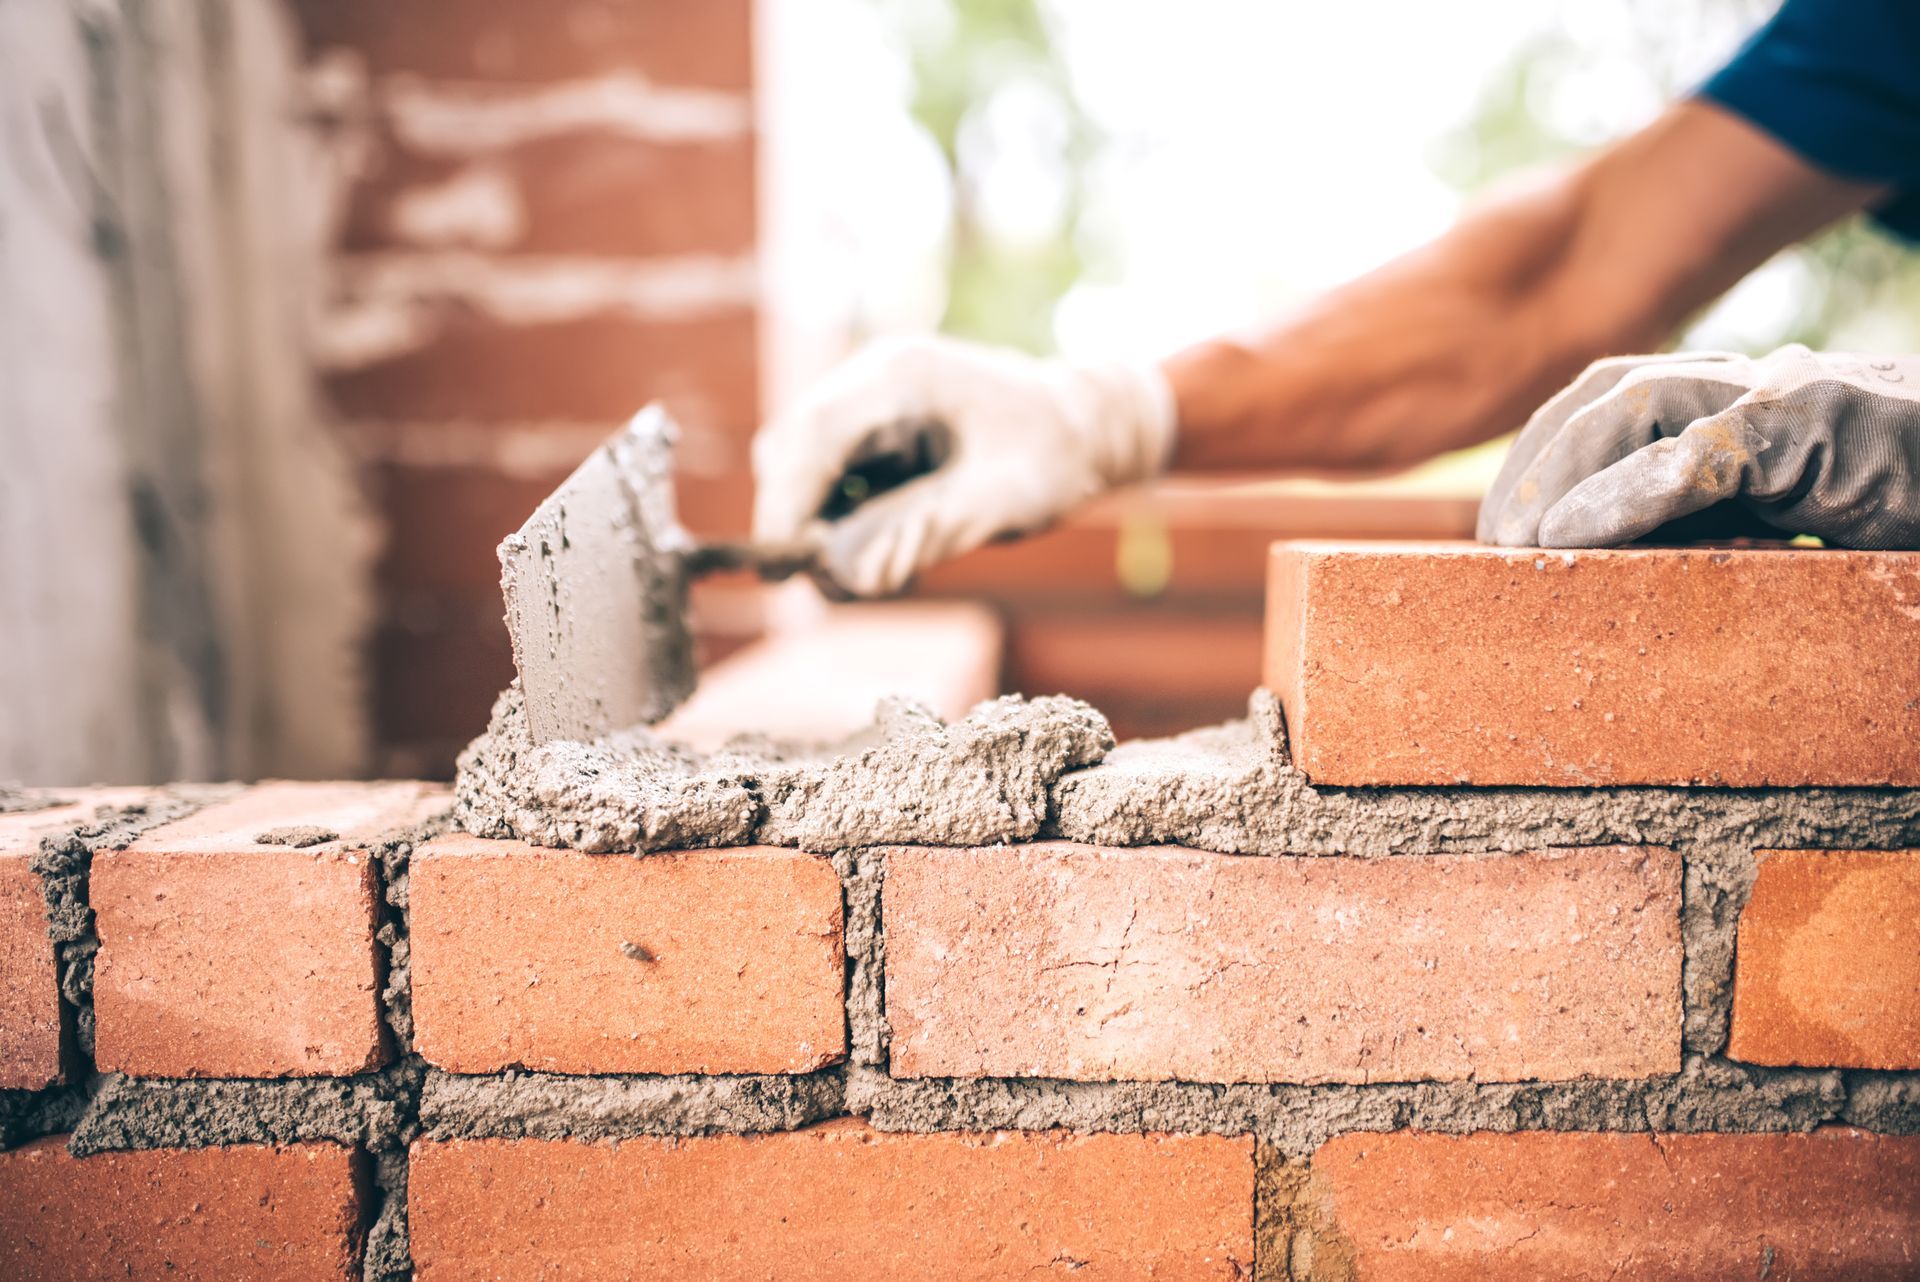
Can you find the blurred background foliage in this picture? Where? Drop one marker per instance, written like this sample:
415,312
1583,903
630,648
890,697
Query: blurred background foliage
989,82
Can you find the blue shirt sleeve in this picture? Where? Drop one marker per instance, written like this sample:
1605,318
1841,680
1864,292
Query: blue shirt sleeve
1838,81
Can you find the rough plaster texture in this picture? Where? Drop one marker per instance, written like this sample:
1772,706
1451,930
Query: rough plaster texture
552,1106
910,778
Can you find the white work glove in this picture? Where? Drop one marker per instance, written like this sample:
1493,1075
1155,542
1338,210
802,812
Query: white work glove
1811,443
1019,441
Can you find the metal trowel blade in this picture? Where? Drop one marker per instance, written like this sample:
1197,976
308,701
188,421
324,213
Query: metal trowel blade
595,585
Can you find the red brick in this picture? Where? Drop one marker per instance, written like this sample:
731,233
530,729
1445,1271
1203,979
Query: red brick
835,1202
597,368
1827,968
674,42
1450,663
247,1211
1063,960
727,961
1836,1204
33,1028
586,192
222,956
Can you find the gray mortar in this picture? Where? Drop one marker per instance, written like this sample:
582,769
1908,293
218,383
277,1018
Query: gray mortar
15,799
64,862
861,873
29,1115
388,1254
1706,1095
552,1106
909,778
394,856
375,1110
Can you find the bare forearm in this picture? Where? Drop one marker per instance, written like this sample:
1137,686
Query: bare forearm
1461,339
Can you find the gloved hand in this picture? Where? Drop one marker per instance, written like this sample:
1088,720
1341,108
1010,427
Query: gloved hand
1811,443
1018,440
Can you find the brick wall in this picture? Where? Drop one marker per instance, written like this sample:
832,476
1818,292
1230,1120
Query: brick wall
1257,1029
549,219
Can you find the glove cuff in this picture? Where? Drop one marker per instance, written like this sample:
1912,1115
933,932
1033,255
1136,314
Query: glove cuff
1131,420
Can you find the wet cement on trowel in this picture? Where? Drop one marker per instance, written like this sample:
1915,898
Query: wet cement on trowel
909,778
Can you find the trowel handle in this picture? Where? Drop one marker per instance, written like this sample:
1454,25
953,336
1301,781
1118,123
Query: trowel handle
768,560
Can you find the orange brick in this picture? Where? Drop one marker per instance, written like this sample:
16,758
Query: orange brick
1063,960
222,956
728,961
1827,967
586,192
835,1202
1408,1207
594,369
670,42
33,1033
248,1211
1451,663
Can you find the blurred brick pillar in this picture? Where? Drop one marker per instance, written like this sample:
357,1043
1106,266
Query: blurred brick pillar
548,219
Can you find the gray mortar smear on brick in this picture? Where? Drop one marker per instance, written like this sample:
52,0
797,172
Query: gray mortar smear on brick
393,856
64,863
909,778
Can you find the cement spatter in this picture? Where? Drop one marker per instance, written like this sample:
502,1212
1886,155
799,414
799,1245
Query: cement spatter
908,778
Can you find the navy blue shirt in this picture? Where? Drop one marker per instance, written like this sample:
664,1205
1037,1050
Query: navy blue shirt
1838,81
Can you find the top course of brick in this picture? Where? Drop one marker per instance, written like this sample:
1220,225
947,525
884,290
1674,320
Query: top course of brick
1443,663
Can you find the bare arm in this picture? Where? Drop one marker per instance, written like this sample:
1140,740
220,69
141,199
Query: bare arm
1461,339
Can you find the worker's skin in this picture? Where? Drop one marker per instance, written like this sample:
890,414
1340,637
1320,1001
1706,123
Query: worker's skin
1452,344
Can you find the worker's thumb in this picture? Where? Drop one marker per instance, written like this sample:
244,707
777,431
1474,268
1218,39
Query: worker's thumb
1673,477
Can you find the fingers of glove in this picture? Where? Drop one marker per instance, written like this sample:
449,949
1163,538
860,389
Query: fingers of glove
800,456
883,544
1641,407
1657,483
1596,381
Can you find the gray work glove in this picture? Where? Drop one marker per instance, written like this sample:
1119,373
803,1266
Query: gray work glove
1810,442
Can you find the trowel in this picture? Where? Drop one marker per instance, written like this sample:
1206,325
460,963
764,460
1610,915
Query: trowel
596,582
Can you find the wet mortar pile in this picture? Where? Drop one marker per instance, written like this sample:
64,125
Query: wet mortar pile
1012,770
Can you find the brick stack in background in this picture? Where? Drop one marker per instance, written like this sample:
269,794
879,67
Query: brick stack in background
551,220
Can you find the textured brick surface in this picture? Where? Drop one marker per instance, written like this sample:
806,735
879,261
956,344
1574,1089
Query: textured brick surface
1836,1204
504,41
33,1036
704,962
835,1202
595,368
1443,663
249,1211
1827,968
1062,960
593,191
225,956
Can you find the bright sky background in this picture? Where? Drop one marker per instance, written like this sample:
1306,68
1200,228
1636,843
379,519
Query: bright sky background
1262,150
